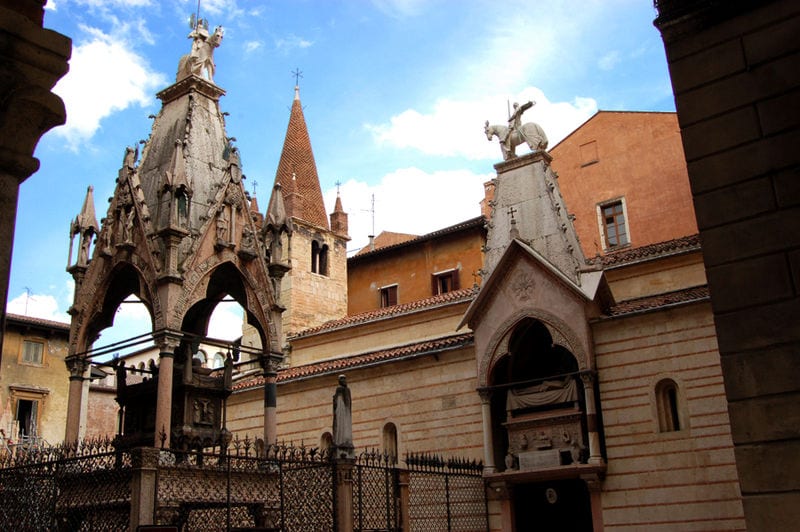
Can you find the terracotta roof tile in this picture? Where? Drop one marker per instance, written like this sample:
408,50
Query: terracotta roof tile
363,360
660,301
41,322
455,296
387,239
467,224
297,172
670,247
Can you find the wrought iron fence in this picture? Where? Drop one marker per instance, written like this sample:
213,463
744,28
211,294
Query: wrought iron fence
241,486
66,488
446,494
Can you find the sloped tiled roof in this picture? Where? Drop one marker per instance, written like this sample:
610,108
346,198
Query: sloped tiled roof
478,221
660,301
297,172
38,322
455,296
387,239
363,360
677,246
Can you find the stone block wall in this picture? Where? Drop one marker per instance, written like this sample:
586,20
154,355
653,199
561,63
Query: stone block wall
666,480
735,69
432,403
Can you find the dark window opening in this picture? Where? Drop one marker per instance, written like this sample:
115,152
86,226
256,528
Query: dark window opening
27,411
668,406
319,258
389,296
445,282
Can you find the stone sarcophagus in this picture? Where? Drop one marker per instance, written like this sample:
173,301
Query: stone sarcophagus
197,410
545,426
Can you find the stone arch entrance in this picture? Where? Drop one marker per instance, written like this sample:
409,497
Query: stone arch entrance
532,379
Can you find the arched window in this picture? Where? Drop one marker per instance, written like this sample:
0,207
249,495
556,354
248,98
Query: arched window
668,406
314,256
219,360
319,258
323,260
326,442
390,441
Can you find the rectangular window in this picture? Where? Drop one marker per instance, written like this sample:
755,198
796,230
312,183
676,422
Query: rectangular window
27,416
32,352
389,296
444,282
615,229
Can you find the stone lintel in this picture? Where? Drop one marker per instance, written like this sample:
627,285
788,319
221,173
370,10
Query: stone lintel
523,160
188,85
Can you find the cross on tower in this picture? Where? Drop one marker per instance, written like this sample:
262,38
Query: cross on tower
254,186
511,212
338,185
297,73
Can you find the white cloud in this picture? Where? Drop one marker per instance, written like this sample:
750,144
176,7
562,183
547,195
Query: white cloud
42,306
252,46
610,60
455,128
291,42
105,76
409,200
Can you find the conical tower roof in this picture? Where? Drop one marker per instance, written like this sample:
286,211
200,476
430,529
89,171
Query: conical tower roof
297,171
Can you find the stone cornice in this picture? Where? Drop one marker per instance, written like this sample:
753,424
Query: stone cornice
190,84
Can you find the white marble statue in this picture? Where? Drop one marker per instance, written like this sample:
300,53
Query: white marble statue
201,59
517,133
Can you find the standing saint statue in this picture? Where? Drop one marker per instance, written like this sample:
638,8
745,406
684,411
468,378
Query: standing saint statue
342,419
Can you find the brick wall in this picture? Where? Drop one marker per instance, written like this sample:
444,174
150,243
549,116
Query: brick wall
735,71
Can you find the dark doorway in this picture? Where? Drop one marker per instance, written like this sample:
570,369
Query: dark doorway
555,505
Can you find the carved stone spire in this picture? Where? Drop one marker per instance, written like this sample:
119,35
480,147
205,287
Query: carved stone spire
85,225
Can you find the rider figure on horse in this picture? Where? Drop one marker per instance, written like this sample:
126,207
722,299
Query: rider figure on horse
515,120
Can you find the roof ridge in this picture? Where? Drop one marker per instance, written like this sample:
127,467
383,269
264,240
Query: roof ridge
323,367
395,310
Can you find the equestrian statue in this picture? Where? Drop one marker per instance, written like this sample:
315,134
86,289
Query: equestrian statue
517,133
201,58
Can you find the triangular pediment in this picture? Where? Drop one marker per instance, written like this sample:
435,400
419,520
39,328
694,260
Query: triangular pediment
525,279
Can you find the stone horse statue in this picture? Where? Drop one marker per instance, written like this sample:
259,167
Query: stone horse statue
201,58
529,133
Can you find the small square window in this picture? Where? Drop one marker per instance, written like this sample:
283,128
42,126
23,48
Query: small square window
444,282
614,225
32,352
389,296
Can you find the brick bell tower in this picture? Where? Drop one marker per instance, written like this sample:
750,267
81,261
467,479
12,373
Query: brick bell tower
315,289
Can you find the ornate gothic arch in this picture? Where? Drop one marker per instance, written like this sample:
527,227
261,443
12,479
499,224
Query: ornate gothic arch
561,333
104,298
241,285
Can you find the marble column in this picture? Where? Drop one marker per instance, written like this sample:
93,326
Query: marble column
77,369
166,348
488,446
595,456
270,399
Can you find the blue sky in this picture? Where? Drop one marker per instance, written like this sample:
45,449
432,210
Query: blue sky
395,95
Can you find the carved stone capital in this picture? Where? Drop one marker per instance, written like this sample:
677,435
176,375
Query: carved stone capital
76,366
588,378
